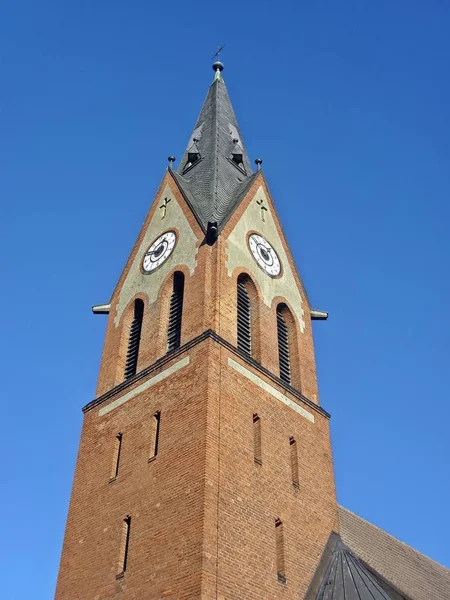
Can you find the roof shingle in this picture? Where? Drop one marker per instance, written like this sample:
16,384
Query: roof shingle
214,183
408,570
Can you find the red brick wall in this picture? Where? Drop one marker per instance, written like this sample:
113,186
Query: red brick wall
253,496
164,497
226,307
202,513
209,303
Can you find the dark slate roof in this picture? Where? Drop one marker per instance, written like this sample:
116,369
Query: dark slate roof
415,575
214,183
341,575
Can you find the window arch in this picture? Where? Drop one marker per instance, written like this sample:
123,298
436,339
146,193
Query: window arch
288,351
248,339
244,322
284,358
175,312
134,340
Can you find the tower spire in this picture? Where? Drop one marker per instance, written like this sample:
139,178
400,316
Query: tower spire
215,171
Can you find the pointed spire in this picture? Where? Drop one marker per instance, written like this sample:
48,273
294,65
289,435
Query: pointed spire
215,170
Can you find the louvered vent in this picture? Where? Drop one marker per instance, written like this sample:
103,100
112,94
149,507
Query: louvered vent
175,313
244,339
283,348
134,340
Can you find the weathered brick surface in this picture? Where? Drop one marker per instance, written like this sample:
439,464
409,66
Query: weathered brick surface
202,512
252,496
164,497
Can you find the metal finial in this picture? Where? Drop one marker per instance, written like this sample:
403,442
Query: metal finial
171,160
258,163
217,66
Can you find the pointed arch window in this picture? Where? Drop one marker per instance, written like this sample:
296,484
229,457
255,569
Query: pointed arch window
283,344
134,340
175,312
244,321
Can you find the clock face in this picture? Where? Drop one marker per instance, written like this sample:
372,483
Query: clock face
159,251
264,254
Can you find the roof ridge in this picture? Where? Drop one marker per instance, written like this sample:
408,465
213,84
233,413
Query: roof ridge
216,141
395,538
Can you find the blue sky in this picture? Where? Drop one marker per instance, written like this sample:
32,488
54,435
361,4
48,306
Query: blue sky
348,105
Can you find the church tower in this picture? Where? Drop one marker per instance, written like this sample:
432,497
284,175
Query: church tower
205,467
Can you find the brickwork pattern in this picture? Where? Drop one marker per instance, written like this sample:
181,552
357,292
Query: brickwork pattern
163,497
202,511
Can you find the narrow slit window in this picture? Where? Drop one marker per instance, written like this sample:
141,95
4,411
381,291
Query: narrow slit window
116,456
154,435
244,339
279,548
175,313
283,347
124,546
294,462
134,340
257,439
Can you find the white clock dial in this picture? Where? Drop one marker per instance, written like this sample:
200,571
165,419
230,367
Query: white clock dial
159,251
264,254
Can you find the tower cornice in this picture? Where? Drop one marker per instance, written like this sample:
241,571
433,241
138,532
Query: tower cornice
215,337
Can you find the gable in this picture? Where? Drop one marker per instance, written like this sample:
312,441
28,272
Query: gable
238,255
185,252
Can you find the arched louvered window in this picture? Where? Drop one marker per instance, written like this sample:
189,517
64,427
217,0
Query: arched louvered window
175,312
134,340
244,327
283,345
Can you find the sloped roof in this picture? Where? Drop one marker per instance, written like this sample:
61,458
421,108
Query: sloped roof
214,182
342,576
414,574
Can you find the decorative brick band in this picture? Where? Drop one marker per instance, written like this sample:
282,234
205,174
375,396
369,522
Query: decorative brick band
145,386
268,388
208,334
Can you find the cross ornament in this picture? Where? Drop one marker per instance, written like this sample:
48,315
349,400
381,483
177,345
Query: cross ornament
260,203
163,207
217,54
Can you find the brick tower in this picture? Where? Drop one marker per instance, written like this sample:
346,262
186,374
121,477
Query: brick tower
205,467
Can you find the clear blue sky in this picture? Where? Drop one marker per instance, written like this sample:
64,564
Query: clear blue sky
348,104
